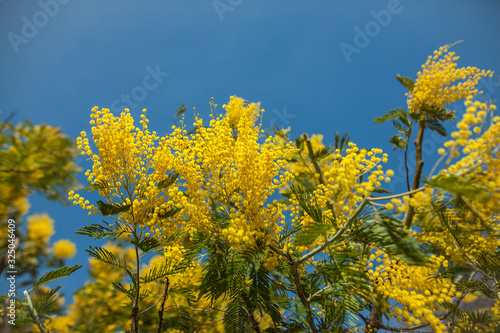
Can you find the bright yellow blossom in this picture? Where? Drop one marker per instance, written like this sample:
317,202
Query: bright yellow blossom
215,164
237,107
40,227
435,86
64,249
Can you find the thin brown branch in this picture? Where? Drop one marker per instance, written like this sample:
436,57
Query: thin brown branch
377,324
337,235
207,324
152,306
281,253
162,307
419,165
135,302
299,289
406,168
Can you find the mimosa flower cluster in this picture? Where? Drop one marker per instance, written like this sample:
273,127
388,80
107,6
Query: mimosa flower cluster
233,110
477,142
223,163
435,83
348,177
474,149
417,295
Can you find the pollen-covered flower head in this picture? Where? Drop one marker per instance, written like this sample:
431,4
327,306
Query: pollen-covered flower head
441,83
64,249
237,107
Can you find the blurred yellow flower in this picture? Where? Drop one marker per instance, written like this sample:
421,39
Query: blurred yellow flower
21,205
40,227
64,249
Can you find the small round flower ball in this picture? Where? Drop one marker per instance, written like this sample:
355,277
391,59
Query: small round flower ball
64,249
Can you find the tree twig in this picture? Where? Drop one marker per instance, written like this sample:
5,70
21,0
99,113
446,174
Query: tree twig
299,289
419,165
162,307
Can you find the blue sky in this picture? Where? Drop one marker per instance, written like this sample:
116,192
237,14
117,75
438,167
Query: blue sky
317,66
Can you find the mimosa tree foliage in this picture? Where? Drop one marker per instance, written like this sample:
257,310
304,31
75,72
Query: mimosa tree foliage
336,253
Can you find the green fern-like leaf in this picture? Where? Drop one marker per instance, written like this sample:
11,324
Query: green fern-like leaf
322,153
111,209
188,293
390,115
340,143
103,231
299,142
167,182
380,190
406,82
236,317
160,272
436,126
309,233
170,213
311,209
106,256
54,275
215,275
181,110
397,142
97,185
185,321
462,186
47,300
387,233
399,125
148,245
127,291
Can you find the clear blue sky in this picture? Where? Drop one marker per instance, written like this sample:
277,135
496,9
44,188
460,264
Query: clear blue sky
317,66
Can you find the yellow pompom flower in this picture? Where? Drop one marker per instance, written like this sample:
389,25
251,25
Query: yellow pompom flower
64,249
21,205
40,227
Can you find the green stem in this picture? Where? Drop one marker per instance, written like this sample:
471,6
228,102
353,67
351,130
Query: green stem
33,313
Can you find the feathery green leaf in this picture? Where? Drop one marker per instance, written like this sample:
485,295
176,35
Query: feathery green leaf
390,115
406,81
54,275
171,178
309,233
111,209
181,109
